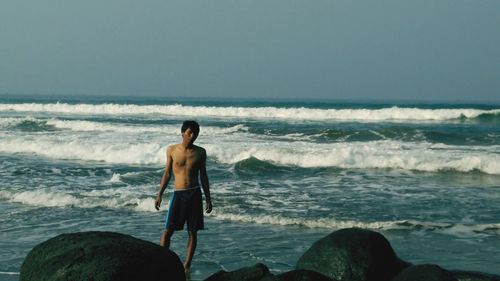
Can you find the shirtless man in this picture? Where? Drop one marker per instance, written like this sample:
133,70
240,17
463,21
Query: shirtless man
188,163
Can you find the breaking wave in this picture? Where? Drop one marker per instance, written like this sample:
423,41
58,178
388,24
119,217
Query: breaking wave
456,229
34,124
389,154
95,199
377,154
291,113
50,198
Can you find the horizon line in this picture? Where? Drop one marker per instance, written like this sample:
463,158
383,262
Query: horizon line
293,99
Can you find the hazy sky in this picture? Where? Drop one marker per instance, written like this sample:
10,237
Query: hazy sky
349,49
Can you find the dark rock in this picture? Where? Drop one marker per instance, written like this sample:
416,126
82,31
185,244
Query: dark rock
270,277
303,275
474,276
425,272
353,254
257,272
100,256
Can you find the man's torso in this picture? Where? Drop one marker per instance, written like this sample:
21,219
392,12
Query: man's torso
186,166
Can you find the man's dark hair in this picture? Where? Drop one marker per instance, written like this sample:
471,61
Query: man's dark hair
193,125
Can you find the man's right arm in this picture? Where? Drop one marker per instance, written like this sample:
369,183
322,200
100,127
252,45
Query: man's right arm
167,174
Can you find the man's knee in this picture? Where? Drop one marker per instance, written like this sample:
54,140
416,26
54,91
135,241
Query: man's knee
168,232
165,238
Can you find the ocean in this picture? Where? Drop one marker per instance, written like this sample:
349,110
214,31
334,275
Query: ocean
283,174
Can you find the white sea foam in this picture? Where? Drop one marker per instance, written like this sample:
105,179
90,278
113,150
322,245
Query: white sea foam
53,198
375,154
116,178
456,229
12,121
9,273
170,129
124,199
130,200
85,126
299,113
147,205
87,150
56,170
385,154
41,197
91,126
306,222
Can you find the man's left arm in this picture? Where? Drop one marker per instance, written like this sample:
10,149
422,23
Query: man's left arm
204,180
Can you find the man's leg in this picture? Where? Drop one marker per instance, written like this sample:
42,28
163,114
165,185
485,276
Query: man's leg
191,246
165,238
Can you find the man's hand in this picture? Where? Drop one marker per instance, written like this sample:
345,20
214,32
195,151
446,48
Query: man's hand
158,202
209,206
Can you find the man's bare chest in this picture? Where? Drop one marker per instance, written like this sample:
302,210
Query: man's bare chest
187,159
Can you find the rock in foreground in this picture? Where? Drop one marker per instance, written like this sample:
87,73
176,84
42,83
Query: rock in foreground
353,254
427,272
100,256
462,275
257,272
303,275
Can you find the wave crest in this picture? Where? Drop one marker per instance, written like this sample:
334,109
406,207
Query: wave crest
388,154
60,199
372,155
298,113
456,229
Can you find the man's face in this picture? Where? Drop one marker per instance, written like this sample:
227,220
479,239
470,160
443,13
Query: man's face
188,135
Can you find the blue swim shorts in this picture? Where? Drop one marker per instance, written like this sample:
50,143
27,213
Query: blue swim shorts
185,207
